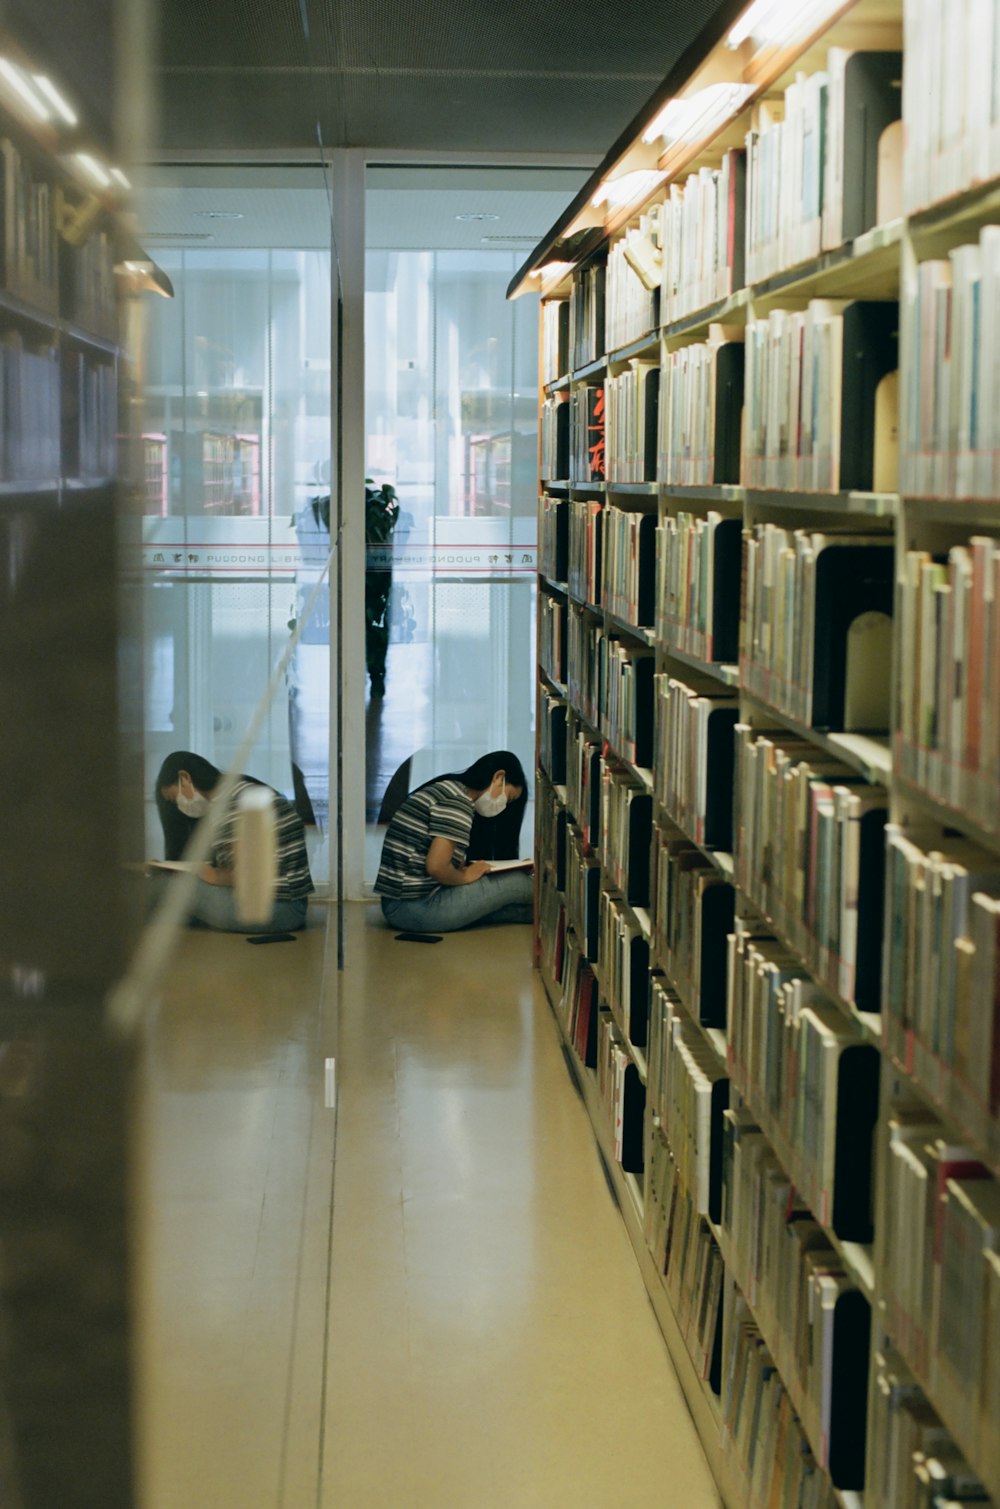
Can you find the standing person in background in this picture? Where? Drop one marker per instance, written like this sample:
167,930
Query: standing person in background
381,514
185,788
425,882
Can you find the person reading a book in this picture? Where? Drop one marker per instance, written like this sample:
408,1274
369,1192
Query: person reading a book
185,789
426,881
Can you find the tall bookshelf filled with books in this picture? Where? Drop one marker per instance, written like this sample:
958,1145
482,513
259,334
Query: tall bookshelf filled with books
768,807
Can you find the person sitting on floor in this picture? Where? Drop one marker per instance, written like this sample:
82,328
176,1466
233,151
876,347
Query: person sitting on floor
185,787
425,881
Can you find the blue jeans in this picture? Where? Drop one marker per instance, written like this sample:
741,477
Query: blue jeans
215,906
507,897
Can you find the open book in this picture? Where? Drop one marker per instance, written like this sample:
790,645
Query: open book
511,864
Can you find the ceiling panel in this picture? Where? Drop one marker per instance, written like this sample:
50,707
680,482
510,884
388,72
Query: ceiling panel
434,75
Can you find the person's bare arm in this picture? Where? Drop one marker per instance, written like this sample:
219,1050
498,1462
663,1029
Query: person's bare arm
440,868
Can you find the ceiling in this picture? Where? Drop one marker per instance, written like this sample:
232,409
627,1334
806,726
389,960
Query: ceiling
517,76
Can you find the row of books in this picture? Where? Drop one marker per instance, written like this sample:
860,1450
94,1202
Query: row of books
701,411
579,1001
583,778
610,682
90,416
815,1321
629,565
687,1256
588,448
693,913
763,1435
632,283
553,538
940,1275
555,339
951,104
816,157
913,1461
622,1094
693,764
820,398
87,285
941,1008
623,960
688,1091
809,853
632,398
553,440
698,584
586,316
950,320
948,712
702,238
29,242
583,893
30,406
552,636
551,910
816,624
552,736
810,1080
584,549
626,827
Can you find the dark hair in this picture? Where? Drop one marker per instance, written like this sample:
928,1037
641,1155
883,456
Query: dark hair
177,828
495,837
481,772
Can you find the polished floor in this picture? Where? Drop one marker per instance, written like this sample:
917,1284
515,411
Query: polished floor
421,1295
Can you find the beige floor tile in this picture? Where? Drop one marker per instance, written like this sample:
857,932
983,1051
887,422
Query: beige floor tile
477,1333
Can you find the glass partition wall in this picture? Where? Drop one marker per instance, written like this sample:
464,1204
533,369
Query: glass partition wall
451,397
236,438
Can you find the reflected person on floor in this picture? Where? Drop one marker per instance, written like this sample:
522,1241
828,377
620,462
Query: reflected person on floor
426,881
185,789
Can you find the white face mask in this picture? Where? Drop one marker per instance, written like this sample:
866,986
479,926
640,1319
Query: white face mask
490,806
192,806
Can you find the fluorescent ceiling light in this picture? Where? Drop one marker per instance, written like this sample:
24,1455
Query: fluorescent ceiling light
698,116
94,170
632,186
17,81
770,21
61,106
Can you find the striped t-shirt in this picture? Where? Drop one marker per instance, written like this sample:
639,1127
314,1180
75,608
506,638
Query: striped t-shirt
294,879
441,809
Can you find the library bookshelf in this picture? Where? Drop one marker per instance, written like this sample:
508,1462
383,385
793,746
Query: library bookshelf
768,804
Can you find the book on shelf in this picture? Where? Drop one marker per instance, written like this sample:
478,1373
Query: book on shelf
693,914
632,282
552,636
623,958
809,851
951,113
626,829
810,1080
622,1094
816,625
553,538
585,534
586,315
815,1321
813,417
589,433
693,769
583,893
698,566
629,565
555,438
555,339
762,1431
701,411
632,403
583,779
703,238
552,736
941,1010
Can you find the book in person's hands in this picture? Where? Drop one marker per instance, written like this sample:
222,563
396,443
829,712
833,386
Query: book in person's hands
183,865
510,864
